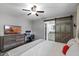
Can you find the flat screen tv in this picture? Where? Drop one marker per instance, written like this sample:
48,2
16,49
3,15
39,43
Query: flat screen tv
12,29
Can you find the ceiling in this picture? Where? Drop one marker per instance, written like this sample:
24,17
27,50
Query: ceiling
52,10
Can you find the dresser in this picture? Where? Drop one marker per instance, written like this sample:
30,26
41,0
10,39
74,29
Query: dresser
8,42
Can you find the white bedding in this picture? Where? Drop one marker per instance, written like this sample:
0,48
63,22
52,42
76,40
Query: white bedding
21,49
44,48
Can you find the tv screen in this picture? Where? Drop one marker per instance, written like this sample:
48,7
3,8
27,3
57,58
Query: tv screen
11,29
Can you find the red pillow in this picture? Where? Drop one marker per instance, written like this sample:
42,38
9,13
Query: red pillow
65,49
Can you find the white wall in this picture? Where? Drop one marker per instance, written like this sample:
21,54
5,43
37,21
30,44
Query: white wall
77,30
6,19
38,28
74,22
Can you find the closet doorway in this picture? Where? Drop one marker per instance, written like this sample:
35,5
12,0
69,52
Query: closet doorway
59,29
50,30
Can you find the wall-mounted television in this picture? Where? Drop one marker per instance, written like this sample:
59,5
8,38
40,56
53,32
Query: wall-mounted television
12,29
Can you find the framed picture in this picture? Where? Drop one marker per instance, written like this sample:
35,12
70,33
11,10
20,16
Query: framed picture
12,29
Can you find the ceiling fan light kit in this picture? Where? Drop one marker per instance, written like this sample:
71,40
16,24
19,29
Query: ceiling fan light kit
33,10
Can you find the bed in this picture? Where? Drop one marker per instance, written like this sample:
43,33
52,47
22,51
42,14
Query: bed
45,48
38,48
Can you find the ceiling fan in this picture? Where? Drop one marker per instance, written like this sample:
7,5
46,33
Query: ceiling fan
33,10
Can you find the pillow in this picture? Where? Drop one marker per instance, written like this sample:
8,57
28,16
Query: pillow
73,50
71,42
65,49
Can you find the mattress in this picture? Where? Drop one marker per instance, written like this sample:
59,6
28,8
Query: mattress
45,48
21,49
38,48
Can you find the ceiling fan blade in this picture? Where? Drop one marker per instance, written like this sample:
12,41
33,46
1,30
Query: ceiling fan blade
40,11
25,10
29,14
36,14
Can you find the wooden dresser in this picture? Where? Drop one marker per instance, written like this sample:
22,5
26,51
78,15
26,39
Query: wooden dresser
10,41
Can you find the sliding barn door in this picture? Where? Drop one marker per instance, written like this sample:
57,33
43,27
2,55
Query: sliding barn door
63,29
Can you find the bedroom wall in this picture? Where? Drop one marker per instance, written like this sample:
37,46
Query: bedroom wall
6,19
74,22
38,28
77,31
